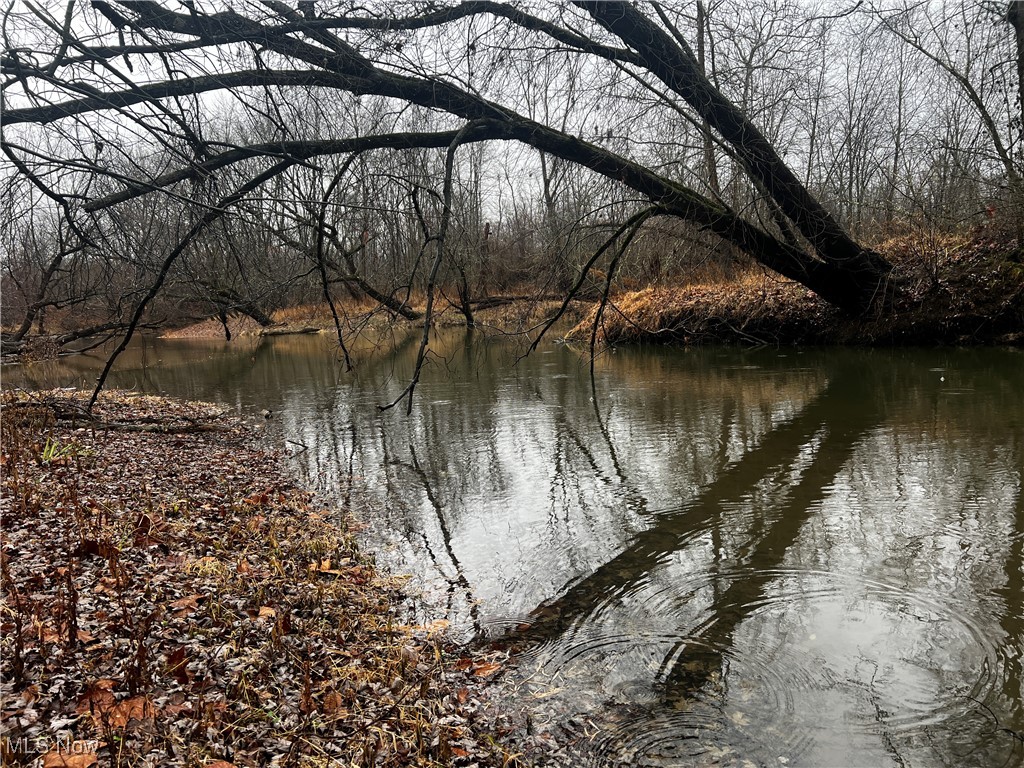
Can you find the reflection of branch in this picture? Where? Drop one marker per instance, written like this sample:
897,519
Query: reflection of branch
633,495
691,662
446,537
1015,735
672,530
460,579
880,718
1012,619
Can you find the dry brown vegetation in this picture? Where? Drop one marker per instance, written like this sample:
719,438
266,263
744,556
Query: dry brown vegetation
171,598
953,290
515,315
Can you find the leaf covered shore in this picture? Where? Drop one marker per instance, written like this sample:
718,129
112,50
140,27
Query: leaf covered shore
170,597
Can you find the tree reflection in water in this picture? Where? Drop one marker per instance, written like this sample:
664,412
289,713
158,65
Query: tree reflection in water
715,554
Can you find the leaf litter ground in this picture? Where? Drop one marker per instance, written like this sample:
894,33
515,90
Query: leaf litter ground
171,598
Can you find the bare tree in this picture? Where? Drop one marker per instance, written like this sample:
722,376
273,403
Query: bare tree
966,43
274,50
228,159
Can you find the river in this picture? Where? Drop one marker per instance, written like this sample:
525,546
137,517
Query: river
700,557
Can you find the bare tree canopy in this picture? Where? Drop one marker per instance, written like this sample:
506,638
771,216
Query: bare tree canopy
328,130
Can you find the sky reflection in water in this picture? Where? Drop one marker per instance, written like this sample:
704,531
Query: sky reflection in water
789,557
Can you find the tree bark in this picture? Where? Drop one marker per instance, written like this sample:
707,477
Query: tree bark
864,271
843,273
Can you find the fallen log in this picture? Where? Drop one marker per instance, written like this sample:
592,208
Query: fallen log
289,331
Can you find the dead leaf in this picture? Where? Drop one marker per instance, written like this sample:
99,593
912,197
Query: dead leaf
243,566
97,702
359,575
438,625
483,670
177,665
185,605
106,711
47,634
58,759
138,708
107,585
283,625
332,703
266,612
97,548
145,527
173,710
220,764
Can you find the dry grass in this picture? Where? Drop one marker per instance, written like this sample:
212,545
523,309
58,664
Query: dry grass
211,328
364,315
748,309
951,289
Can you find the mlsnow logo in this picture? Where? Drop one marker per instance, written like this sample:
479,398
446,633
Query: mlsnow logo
64,749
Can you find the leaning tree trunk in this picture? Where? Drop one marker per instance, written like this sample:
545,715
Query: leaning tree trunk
38,305
861,272
840,271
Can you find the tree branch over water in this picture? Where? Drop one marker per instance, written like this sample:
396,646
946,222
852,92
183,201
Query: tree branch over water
571,109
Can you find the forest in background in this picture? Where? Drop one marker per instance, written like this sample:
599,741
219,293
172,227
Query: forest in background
137,139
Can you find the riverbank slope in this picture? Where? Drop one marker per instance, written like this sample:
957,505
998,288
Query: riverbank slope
171,597
961,290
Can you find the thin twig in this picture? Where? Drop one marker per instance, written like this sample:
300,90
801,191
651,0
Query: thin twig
630,222
208,218
637,223
446,213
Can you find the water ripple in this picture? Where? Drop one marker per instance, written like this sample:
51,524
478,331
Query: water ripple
775,664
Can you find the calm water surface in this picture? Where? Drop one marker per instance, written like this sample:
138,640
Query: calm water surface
703,557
